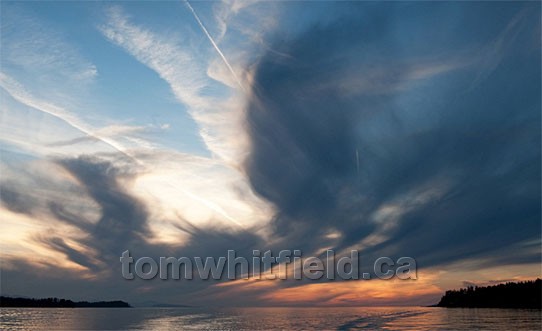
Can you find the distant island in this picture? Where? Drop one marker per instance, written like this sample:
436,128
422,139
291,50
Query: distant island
510,295
59,303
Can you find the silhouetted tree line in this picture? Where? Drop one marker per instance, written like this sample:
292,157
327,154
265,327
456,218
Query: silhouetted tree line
510,295
58,303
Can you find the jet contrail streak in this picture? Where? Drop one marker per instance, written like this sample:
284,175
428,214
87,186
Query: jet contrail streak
214,45
357,160
17,92
210,205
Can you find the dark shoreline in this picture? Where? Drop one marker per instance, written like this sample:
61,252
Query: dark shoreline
10,302
520,295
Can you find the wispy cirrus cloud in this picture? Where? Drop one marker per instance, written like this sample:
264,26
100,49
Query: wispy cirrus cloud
198,181
20,94
44,74
34,47
181,188
176,66
177,63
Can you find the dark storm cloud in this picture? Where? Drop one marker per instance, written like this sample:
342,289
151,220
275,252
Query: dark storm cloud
124,221
443,159
123,218
72,254
15,201
123,224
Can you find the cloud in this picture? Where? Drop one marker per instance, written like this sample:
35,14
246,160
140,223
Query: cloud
218,118
88,244
445,172
14,201
180,63
20,94
51,137
34,47
44,73
357,132
123,218
167,59
102,218
215,46
118,132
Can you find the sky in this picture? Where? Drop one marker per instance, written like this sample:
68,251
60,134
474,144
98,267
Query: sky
191,128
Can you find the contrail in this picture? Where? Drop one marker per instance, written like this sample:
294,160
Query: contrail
357,160
215,45
17,92
210,205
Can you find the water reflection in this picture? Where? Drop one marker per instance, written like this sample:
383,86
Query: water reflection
165,319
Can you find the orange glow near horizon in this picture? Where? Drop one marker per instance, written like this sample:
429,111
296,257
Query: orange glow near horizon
354,293
335,293
425,290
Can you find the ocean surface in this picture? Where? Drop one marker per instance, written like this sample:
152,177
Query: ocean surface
362,318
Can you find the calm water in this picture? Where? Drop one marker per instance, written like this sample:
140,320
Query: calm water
165,319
